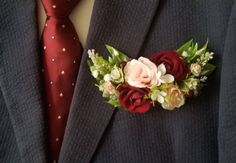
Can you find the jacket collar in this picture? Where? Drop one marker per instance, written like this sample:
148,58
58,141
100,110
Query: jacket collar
20,78
124,26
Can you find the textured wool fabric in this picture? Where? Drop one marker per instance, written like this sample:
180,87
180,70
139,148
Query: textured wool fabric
61,57
202,131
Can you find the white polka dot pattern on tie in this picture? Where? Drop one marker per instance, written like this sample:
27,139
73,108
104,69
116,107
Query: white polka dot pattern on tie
62,53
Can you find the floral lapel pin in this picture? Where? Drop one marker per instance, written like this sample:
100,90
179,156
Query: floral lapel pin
166,78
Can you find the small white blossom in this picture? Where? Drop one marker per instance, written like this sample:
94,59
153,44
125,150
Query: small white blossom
209,55
162,77
204,59
184,54
107,77
203,79
163,93
91,52
95,73
158,96
161,97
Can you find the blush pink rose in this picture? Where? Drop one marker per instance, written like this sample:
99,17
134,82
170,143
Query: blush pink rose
141,73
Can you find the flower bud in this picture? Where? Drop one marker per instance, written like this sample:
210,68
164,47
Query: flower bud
195,69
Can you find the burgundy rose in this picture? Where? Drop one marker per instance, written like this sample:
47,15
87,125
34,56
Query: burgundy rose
132,98
173,63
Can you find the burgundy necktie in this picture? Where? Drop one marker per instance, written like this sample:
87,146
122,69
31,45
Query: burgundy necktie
61,57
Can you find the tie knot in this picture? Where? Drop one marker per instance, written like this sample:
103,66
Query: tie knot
59,9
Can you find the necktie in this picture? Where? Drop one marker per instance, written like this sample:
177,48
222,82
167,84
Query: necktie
61,57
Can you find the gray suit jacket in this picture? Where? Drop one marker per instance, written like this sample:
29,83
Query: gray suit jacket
203,131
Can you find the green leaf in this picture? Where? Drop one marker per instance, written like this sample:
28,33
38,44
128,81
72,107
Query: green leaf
117,55
195,48
193,52
185,47
208,69
203,49
114,103
112,50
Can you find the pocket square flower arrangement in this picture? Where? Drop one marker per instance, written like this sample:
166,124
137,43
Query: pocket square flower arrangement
166,78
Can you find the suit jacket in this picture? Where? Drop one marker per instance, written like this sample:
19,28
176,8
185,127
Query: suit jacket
202,131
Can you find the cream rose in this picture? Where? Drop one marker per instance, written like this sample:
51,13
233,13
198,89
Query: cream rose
195,69
174,98
144,73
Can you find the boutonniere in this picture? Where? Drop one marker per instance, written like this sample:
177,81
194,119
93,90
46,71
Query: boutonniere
166,78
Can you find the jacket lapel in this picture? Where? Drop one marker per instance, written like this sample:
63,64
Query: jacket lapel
123,25
20,78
